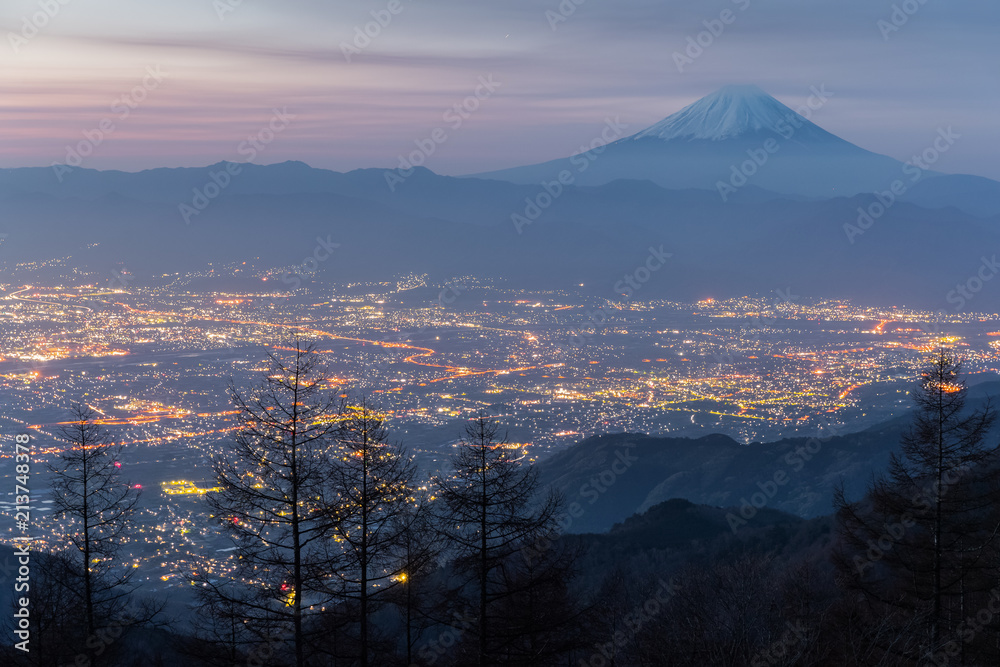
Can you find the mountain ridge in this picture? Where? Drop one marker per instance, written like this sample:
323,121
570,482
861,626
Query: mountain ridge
750,244
794,475
730,112
740,135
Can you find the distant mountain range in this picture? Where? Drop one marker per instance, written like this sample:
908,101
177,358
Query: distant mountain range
740,135
807,219
613,476
714,470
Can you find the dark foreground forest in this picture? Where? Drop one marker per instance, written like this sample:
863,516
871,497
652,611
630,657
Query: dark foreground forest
347,554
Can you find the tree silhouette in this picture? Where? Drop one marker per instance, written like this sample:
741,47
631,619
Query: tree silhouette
417,597
89,492
921,546
488,512
278,496
375,511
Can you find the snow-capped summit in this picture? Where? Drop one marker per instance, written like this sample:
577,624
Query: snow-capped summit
730,112
736,136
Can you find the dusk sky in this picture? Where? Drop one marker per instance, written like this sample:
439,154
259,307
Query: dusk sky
224,71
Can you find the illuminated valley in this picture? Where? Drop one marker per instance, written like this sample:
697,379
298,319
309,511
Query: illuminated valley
156,363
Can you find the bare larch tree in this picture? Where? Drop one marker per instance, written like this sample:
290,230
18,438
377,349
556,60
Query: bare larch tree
376,509
277,491
922,544
90,493
488,511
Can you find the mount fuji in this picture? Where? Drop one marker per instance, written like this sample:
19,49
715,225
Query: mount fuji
733,112
813,217
741,135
